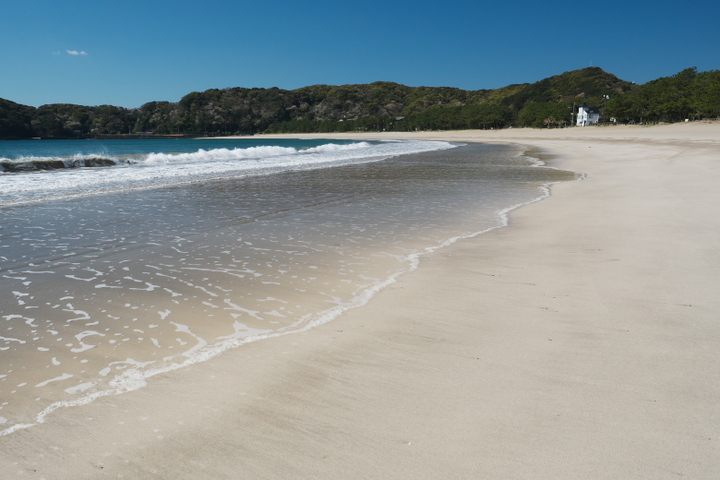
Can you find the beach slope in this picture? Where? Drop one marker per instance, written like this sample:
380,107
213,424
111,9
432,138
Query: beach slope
582,341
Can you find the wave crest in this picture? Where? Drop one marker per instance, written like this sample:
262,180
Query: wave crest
29,164
261,152
151,170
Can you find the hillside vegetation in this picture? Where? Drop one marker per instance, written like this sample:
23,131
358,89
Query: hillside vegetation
379,106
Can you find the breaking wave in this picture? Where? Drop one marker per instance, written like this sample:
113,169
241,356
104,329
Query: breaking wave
30,179
29,164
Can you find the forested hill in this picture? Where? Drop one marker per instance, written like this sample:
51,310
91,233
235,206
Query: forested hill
379,106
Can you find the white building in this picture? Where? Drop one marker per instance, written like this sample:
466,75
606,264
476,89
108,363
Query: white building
585,116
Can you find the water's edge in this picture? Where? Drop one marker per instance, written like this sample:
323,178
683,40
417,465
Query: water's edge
133,379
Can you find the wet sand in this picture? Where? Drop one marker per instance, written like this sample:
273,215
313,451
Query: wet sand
579,342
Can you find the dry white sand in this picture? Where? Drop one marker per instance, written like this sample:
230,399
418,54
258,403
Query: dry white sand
583,341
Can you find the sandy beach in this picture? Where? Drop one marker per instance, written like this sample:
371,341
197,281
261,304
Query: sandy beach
581,341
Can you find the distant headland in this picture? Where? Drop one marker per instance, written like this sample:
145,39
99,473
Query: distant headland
381,106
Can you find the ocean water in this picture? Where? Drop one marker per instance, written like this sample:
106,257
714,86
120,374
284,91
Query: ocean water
91,167
121,259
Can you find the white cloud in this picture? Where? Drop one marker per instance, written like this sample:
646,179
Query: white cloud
75,52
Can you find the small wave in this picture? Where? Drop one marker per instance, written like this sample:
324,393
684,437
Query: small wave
152,170
30,164
258,153
334,147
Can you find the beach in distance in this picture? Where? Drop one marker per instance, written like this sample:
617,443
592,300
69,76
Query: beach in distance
568,329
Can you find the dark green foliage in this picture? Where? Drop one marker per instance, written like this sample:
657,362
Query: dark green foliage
586,85
442,117
15,120
545,114
389,106
704,92
686,95
68,121
380,106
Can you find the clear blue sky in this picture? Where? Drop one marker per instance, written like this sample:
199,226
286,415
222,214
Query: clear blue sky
131,52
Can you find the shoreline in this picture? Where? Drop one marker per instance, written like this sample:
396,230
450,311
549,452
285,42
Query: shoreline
130,380
580,342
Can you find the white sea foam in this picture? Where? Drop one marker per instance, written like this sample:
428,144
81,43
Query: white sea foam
163,169
80,388
64,376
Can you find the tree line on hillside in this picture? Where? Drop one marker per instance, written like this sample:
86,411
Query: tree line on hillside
379,106
686,95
